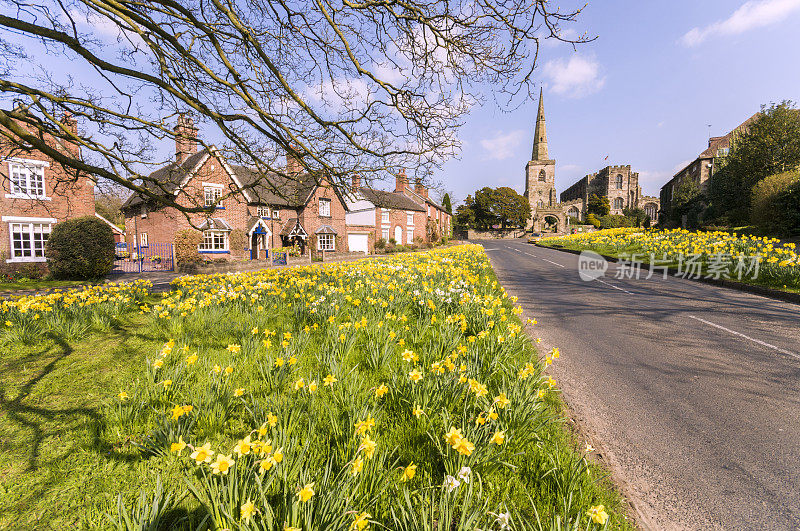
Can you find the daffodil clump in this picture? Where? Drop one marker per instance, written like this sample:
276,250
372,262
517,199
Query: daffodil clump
384,393
730,255
68,313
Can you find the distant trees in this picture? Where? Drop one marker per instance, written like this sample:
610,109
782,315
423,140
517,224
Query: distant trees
598,205
490,207
687,201
769,145
446,203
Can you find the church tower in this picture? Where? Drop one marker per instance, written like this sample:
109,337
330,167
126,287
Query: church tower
540,172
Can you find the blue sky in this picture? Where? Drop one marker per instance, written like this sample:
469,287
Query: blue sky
642,94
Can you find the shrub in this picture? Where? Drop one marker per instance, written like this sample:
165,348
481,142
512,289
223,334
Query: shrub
80,249
765,208
238,239
591,219
186,242
381,243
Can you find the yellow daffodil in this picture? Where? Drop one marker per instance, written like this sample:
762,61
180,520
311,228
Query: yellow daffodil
123,396
222,465
361,522
498,438
357,466
415,375
243,447
368,446
409,472
598,514
299,384
234,349
329,380
312,386
418,412
203,454
239,391
381,390
272,420
306,492
177,447
190,360
248,509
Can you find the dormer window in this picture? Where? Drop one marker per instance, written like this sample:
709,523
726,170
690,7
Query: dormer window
26,179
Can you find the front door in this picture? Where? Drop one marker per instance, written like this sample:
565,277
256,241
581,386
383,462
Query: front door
398,235
254,246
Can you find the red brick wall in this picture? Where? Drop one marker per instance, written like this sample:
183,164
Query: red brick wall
311,220
68,196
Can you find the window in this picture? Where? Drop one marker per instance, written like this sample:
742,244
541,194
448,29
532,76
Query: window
28,241
410,219
326,242
325,207
143,239
262,211
542,176
214,240
27,179
540,203
619,183
276,214
618,203
409,236
385,233
212,194
385,216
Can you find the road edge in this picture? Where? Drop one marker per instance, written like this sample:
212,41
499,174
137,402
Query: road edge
764,291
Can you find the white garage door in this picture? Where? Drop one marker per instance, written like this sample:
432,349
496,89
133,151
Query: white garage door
358,243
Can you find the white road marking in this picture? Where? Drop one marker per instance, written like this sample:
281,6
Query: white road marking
613,286
734,332
546,260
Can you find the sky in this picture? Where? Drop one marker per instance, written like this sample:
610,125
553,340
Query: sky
659,78
643,93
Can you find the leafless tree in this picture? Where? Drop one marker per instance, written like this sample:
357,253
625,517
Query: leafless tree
362,86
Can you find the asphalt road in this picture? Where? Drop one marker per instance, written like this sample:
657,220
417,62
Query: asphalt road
690,392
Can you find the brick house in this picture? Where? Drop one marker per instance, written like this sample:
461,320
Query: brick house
37,193
262,213
402,216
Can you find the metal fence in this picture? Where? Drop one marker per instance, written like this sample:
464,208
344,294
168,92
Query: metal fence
143,258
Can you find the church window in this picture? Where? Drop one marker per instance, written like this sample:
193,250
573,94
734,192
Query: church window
618,203
542,176
619,182
540,204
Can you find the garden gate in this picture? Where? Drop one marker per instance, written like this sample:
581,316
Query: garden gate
143,258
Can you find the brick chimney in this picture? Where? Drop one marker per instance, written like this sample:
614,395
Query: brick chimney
420,189
356,182
401,181
293,165
185,138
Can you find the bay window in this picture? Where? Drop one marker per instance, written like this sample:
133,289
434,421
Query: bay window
214,241
326,242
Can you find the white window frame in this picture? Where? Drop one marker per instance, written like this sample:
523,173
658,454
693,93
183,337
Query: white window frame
410,219
212,198
143,239
262,211
386,233
325,207
409,236
212,243
26,168
326,242
276,214
29,224
385,216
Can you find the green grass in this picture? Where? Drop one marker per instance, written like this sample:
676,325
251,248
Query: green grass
30,284
68,443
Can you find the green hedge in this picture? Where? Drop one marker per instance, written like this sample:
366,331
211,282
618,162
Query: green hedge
80,249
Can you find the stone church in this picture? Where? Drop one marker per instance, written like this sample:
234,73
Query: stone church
618,183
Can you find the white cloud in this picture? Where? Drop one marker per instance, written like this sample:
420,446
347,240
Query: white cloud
655,179
576,77
502,146
751,15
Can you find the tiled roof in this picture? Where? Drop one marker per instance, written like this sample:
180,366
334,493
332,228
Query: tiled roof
215,224
325,229
274,189
382,199
166,179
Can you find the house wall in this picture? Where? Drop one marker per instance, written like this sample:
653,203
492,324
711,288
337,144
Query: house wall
67,195
311,219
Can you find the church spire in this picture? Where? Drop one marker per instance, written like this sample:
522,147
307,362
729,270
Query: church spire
540,138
